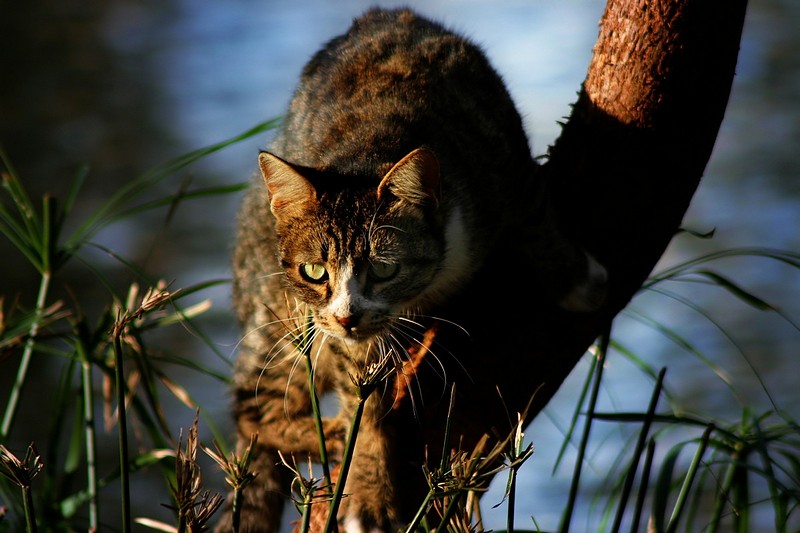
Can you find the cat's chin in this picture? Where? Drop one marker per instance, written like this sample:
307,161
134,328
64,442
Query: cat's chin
356,340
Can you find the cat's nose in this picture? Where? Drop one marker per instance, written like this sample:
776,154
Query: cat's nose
348,322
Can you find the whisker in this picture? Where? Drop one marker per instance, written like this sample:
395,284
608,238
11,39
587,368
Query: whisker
437,318
315,333
280,346
443,374
417,324
402,353
401,328
267,276
256,330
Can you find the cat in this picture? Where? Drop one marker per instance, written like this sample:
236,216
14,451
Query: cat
401,169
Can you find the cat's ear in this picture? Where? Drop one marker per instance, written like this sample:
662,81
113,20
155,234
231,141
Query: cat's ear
289,192
414,179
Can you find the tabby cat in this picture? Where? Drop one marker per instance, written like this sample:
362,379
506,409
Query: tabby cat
401,166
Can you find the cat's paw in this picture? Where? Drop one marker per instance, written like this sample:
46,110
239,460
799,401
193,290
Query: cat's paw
354,524
590,293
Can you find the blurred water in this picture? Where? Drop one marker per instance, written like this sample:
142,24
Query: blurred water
123,85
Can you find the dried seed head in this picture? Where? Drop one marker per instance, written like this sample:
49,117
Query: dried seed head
373,375
155,297
20,472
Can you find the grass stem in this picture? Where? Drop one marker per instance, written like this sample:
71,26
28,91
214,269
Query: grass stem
123,424
637,453
304,344
677,511
323,449
236,513
640,498
27,354
512,495
30,516
452,506
305,517
423,509
576,476
91,441
331,523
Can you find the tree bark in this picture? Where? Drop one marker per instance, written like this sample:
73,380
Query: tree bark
633,152
621,176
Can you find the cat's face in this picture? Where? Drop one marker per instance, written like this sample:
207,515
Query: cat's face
358,256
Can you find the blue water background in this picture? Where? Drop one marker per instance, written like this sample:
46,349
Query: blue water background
210,70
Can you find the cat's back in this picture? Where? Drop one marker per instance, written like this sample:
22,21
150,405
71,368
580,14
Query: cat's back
394,82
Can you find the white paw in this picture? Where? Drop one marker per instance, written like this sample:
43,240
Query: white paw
352,524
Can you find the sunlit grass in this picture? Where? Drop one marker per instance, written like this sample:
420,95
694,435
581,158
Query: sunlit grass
711,479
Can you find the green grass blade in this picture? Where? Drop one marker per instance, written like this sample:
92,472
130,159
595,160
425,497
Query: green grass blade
685,420
304,346
134,268
640,446
684,344
187,399
677,511
70,505
753,368
20,239
775,492
27,354
642,365
149,385
74,189
787,257
423,509
573,424
722,497
50,233
746,296
173,359
22,202
642,493
349,448
741,497
663,486
598,377
122,424
59,472
173,200
87,388
133,189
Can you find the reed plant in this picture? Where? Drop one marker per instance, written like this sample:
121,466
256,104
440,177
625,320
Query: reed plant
710,479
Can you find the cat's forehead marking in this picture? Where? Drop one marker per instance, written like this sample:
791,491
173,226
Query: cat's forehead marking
348,236
346,293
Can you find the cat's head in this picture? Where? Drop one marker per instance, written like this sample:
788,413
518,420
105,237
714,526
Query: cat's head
359,254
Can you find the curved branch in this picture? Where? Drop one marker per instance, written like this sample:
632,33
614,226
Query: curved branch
621,176
632,154
636,145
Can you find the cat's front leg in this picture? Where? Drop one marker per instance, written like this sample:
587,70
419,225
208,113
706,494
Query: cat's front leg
297,437
370,503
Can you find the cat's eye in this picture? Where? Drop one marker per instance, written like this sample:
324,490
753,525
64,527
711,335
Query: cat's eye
314,272
383,271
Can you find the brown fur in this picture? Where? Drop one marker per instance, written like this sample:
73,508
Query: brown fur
402,175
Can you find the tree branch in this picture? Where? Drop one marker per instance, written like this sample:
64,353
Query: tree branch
621,176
